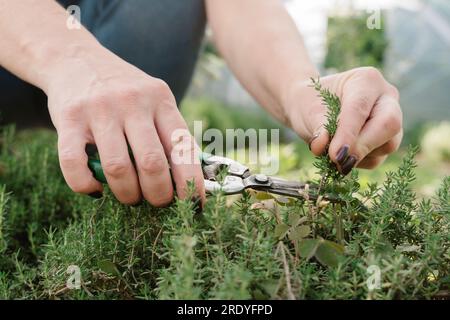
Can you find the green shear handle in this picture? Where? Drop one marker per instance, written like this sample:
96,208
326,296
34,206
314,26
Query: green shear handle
97,171
96,167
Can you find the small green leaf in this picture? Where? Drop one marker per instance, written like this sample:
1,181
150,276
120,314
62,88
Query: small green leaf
299,232
329,253
285,201
383,247
108,267
339,247
307,248
264,196
281,230
270,286
293,218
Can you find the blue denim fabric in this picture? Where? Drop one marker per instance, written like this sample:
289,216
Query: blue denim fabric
160,37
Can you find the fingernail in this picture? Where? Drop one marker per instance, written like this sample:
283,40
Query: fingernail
314,137
198,207
342,154
348,165
96,195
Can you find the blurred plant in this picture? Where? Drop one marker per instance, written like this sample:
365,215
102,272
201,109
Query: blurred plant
258,246
436,143
210,64
351,44
217,115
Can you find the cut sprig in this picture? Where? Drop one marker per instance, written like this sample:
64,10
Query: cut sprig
333,104
327,169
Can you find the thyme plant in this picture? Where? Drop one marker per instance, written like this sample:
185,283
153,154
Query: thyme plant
258,246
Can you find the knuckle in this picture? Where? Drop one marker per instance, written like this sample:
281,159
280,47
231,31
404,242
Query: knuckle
99,100
372,73
349,135
163,94
69,159
393,122
152,163
394,91
115,167
160,86
73,110
100,106
361,104
129,95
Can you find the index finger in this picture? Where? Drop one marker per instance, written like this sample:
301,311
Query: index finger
357,103
181,151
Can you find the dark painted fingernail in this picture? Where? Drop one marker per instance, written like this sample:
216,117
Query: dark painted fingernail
96,195
342,154
198,206
348,165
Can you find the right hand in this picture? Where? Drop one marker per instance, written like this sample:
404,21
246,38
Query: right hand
370,121
97,98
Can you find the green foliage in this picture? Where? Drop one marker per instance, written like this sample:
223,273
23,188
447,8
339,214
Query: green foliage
333,104
331,177
219,116
257,246
350,43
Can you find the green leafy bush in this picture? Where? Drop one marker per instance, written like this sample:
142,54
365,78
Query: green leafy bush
350,43
258,246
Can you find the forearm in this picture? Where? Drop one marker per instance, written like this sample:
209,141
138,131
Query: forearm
263,47
34,38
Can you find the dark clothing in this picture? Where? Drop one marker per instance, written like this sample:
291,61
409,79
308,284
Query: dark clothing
160,37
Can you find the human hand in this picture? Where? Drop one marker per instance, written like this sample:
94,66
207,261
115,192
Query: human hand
97,98
370,122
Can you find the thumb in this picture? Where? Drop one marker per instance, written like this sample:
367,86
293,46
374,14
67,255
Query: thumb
320,138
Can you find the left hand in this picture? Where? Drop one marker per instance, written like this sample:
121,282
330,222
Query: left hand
370,122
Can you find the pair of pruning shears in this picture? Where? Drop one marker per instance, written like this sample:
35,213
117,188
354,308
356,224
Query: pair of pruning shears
238,178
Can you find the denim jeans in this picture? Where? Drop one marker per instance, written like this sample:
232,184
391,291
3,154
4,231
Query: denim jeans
160,37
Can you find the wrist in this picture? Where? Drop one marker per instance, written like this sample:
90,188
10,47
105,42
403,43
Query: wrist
53,62
295,91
